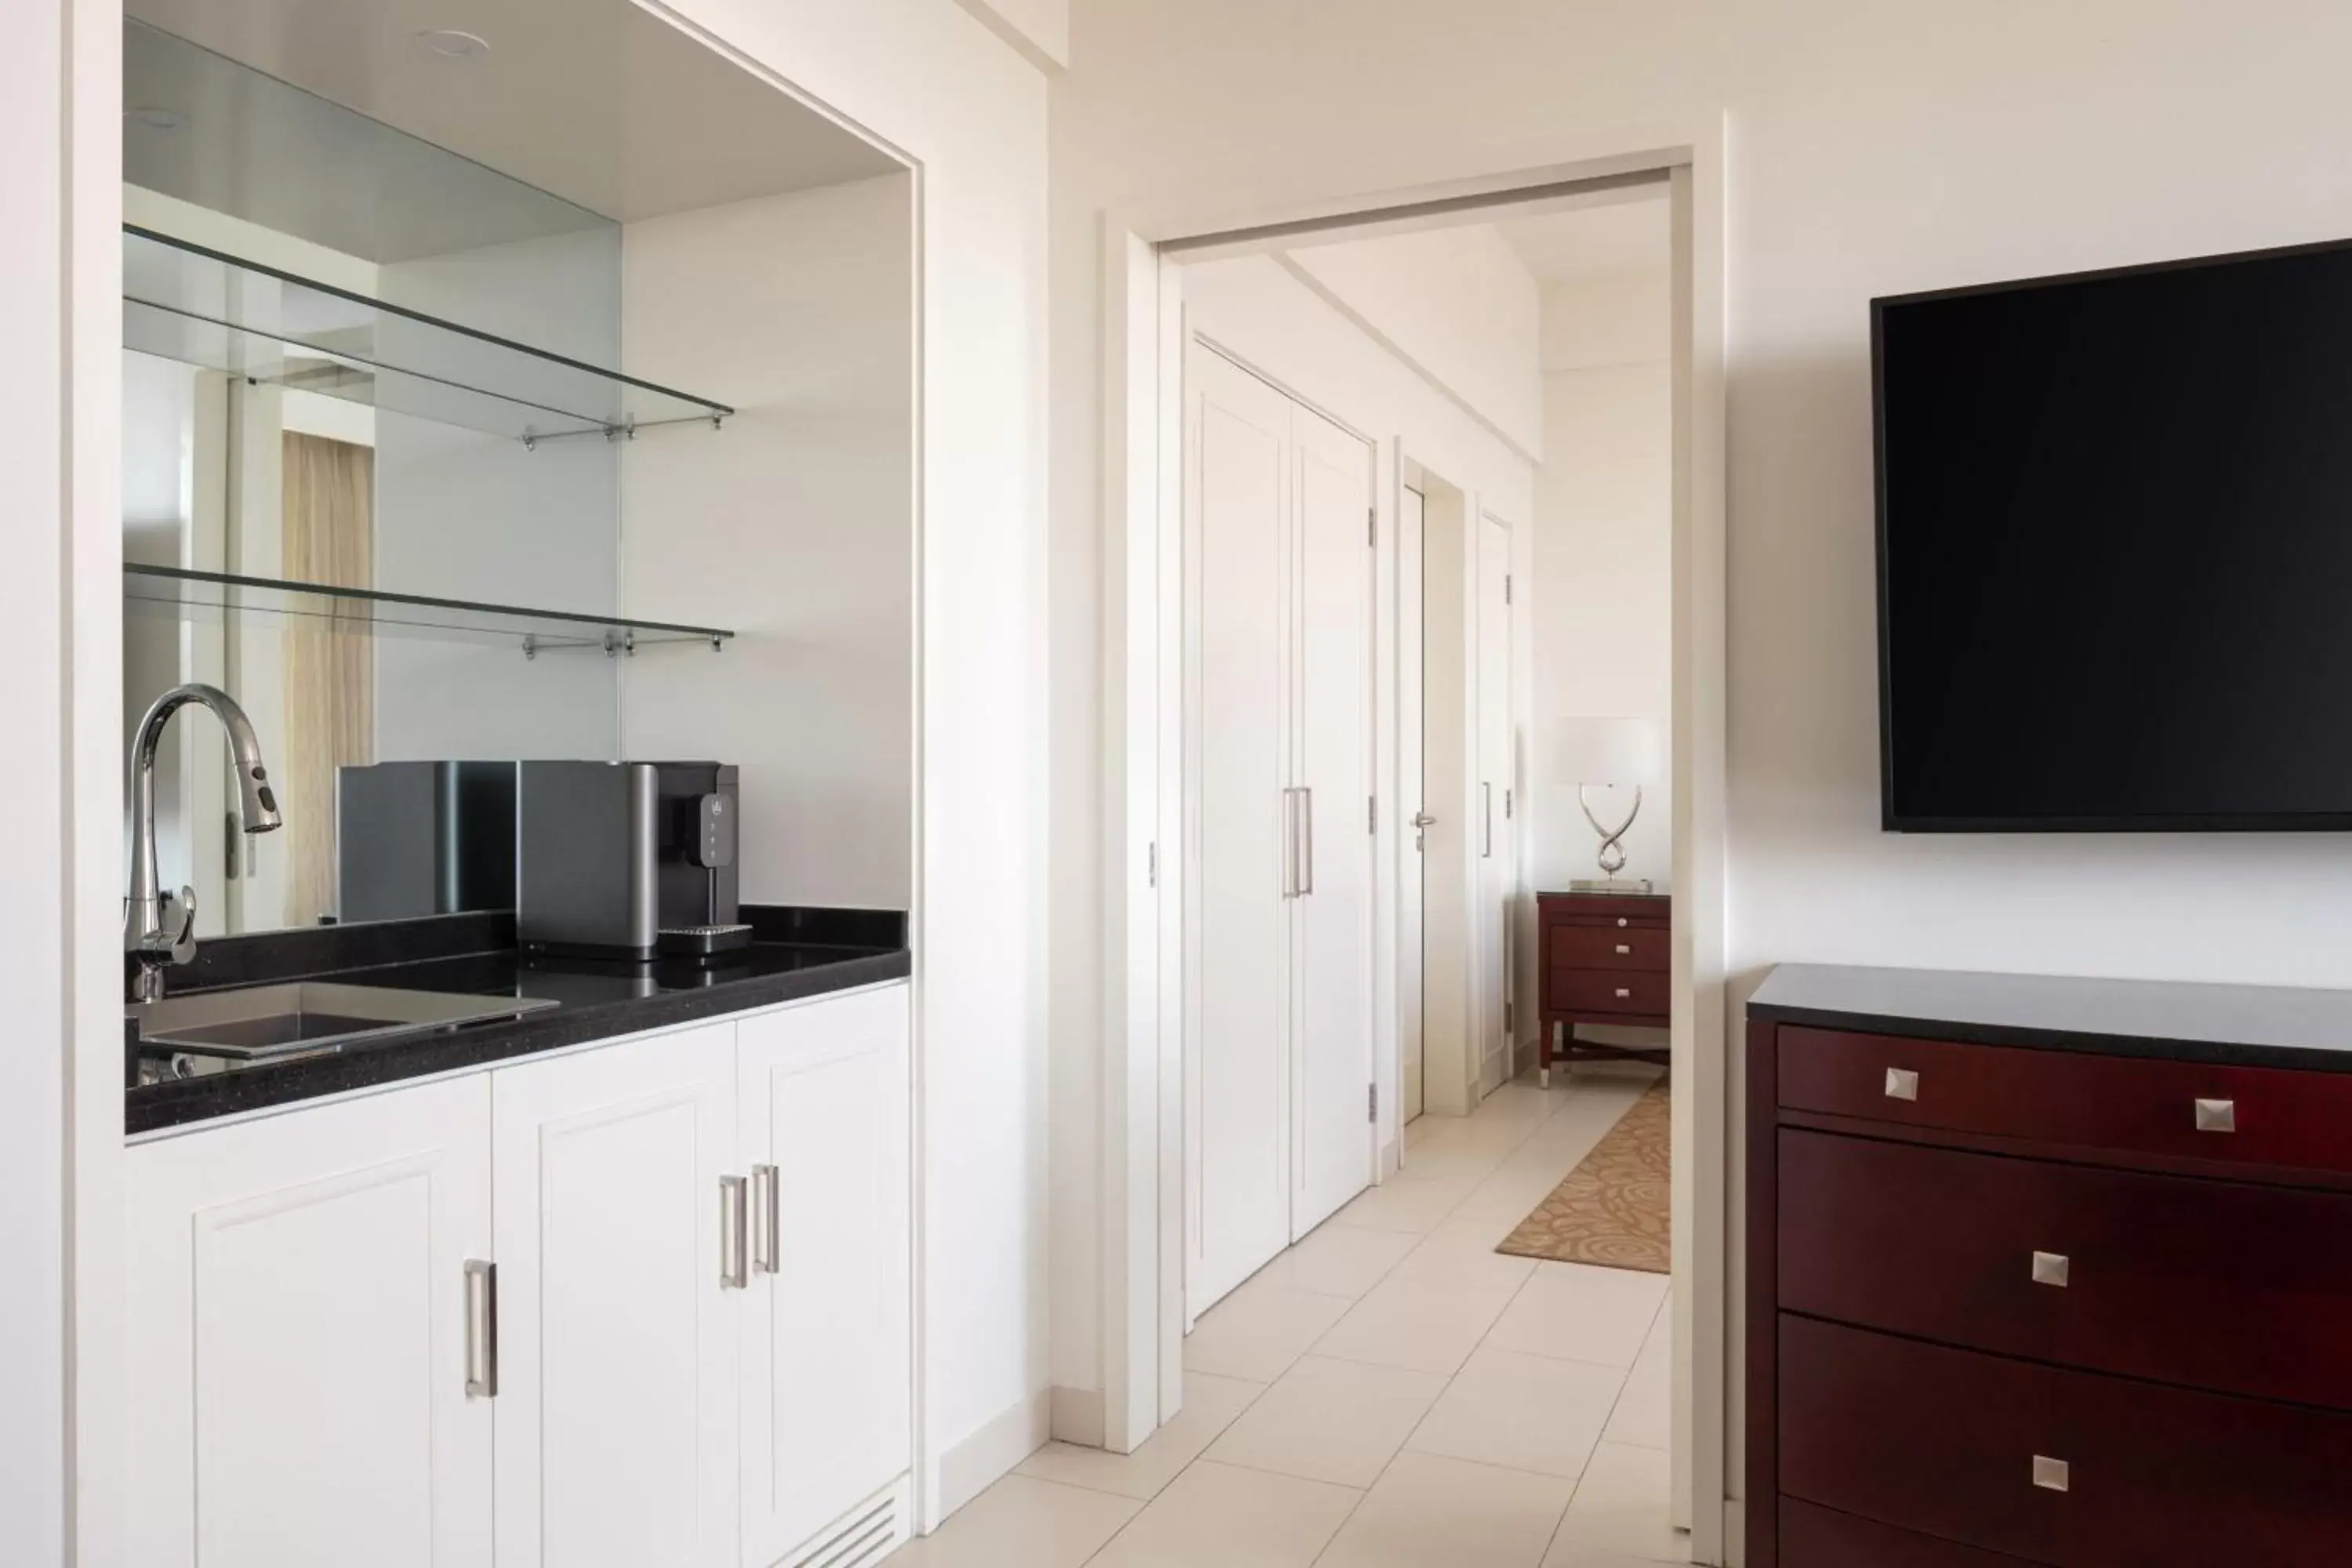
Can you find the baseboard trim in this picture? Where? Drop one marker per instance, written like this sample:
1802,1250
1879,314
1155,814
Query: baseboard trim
993,1448
1078,1417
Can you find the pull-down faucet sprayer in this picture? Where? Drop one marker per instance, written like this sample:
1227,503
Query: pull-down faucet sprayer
159,929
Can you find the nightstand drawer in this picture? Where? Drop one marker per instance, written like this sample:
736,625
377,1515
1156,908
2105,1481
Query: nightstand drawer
2265,1116
1606,947
1639,993
2055,1465
2113,1271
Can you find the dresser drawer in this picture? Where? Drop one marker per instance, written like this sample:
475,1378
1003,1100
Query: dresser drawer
2155,1276
2257,1115
1972,1448
1607,947
1636,991
1601,909
1814,1537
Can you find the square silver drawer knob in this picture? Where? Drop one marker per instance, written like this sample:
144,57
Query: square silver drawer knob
1902,1083
2217,1116
1624,991
2049,1474
1624,947
2050,1268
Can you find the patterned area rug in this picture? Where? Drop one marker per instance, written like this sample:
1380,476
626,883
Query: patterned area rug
1612,1210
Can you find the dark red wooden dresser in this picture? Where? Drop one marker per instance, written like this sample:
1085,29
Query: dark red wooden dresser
2047,1271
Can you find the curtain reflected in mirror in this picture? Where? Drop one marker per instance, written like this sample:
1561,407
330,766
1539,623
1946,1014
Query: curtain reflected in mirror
329,498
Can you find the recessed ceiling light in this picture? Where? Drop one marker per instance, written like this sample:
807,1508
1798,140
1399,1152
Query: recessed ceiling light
452,45
157,118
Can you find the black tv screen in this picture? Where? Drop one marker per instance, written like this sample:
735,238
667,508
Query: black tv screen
2114,549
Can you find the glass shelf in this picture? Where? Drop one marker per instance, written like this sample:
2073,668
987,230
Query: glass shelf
200,307
176,592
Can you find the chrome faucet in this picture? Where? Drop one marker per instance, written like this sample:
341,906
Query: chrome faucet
159,929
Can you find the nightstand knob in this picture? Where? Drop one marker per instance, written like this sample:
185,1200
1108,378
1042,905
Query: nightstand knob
1624,991
1621,921
2050,1268
1623,947
2217,1116
2049,1474
1902,1083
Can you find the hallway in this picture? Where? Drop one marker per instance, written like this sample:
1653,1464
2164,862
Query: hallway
1390,1391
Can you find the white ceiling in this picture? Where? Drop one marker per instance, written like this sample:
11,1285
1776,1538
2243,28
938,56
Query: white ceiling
598,101
1623,237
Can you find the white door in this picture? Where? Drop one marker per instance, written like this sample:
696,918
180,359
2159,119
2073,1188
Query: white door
617,1421
1331,977
1410,837
826,1380
298,1369
1237,1070
1496,803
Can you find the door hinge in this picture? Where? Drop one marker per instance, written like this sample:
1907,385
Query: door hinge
1372,1103
1152,863
1506,806
1509,1009
1506,587
1371,813
1372,526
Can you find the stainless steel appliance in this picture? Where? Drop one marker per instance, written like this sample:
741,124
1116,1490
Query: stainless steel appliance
424,838
627,860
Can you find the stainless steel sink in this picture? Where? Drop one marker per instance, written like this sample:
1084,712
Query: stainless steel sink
263,1021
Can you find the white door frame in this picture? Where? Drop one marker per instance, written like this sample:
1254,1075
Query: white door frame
1142,1140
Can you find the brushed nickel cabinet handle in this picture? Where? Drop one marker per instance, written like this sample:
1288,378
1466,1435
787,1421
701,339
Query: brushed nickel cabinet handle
1902,1083
1624,947
481,1330
767,1236
2049,1474
2050,1268
2217,1116
733,1275
1305,840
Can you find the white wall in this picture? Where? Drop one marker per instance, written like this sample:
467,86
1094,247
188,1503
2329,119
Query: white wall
1040,29
1603,603
1457,305
792,527
36,1152
1873,148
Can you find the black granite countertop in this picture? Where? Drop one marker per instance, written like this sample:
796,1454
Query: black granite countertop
796,953
2251,1025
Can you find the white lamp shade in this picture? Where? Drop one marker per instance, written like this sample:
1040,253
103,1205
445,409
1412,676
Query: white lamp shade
1605,751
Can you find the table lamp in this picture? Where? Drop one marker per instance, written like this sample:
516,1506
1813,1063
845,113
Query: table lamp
1588,751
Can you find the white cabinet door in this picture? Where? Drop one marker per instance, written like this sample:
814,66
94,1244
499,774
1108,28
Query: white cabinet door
1331,974
298,1359
1236,679
827,1385
1498,775
617,1421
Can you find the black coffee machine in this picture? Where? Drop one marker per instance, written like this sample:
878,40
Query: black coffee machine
629,860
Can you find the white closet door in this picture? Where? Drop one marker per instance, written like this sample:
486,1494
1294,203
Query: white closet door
1237,1074
1412,845
1331,983
1496,876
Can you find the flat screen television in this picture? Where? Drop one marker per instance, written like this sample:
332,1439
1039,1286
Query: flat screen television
2114,549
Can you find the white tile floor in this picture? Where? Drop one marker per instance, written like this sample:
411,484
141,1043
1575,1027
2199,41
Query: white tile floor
1390,1392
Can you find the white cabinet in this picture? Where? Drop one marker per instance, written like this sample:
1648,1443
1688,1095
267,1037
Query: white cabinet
1278,941
699,1339
826,1409
616,1403
299,1350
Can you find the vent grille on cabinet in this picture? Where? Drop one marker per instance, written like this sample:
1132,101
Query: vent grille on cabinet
863,1539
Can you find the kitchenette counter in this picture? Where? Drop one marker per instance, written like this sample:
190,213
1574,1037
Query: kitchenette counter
796,955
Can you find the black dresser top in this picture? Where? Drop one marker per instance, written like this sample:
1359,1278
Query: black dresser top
2261,1025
